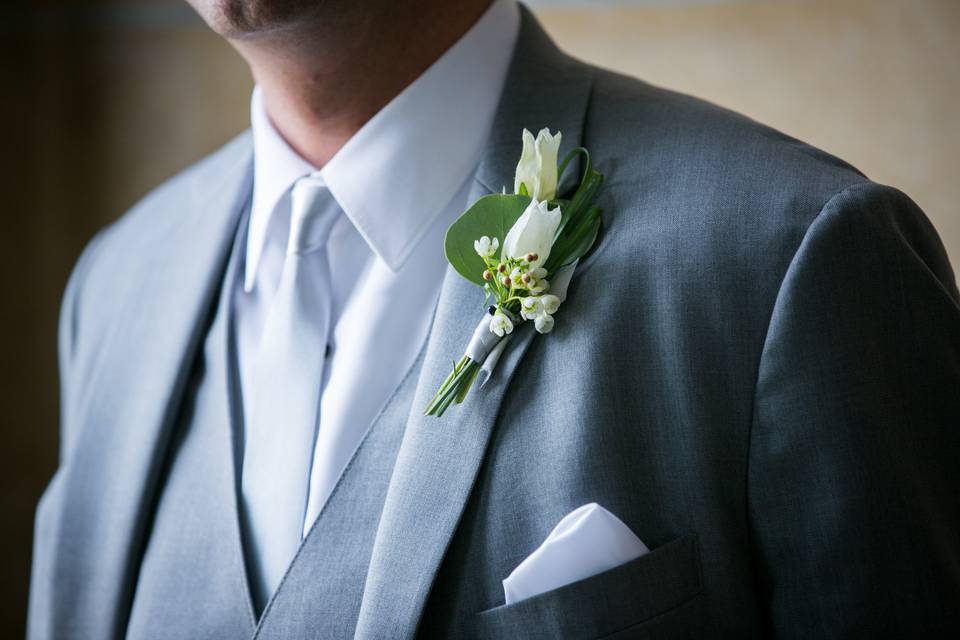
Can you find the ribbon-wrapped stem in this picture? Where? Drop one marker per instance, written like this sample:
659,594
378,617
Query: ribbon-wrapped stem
465,371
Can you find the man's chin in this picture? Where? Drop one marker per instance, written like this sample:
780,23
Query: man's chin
247,18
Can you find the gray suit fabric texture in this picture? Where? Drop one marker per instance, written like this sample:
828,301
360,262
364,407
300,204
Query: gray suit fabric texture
757,370
197,515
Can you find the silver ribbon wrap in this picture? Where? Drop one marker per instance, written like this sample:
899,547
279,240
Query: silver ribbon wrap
561,282
483,341
490,363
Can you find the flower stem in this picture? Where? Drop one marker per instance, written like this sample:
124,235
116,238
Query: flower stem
455,388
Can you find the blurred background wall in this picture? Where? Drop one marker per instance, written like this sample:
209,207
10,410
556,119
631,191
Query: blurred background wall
102,101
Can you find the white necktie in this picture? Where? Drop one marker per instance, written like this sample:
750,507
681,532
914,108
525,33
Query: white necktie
288,376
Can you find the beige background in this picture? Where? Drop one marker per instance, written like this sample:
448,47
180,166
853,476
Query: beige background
102,103
876,82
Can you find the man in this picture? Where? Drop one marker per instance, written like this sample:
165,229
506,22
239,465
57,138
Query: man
756,370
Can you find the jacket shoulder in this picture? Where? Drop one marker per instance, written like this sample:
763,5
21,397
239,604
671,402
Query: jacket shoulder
712,206
701,180
171,203
698,135
141,229
128,245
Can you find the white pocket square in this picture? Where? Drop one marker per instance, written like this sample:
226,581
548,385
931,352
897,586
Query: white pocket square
589,540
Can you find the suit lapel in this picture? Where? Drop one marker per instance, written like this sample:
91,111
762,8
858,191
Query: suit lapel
439,458
110,480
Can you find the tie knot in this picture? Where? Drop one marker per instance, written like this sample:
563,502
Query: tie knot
313,212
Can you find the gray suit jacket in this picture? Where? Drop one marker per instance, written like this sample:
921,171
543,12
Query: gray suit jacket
757,370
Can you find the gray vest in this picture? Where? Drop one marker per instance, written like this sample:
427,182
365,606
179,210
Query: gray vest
192,580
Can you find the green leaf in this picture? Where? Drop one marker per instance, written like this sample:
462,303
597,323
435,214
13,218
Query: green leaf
582,200
492,216
575,242
570,156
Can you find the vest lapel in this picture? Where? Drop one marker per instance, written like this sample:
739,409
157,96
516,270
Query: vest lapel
110,480
193,553
439,458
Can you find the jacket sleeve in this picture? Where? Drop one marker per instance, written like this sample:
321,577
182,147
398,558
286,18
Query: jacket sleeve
854,465
47,522
68,332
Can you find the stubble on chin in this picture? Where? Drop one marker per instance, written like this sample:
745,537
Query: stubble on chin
247,18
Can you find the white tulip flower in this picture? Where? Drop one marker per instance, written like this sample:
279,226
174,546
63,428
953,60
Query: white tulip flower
550,303
533,233
500,324
537,169
485,247
543,323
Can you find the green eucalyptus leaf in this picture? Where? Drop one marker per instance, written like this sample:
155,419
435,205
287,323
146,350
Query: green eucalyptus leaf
492,216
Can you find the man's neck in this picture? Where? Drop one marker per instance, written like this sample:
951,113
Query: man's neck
321,82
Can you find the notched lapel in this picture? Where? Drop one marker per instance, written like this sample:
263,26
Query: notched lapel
434,472
439,458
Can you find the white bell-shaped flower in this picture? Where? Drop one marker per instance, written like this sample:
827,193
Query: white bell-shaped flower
500,324
486,247
538,286
550,303
530,307
543,323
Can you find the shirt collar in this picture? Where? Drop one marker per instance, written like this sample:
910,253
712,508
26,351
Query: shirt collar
398,172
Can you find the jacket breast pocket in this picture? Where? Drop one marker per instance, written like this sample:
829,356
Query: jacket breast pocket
609,603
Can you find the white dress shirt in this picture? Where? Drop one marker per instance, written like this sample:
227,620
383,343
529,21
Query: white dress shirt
400,181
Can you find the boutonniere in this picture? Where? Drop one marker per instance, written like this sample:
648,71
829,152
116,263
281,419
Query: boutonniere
522,249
